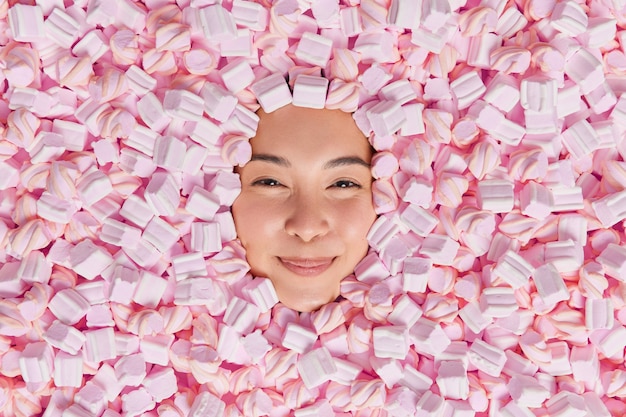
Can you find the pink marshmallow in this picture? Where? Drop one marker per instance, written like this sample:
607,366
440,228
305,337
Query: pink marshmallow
187,265
26,23
452,380
498,301
585,70
202,204
496,195
93,45
36,363
183,105
162,194
550,284
428,337
310,91
149,289
251,15
123,284
218,103
610,209
160,234
467,89
156,349
566,256
440,248
68,306
160,383
93,187
237,75
613,259
262,293
404,14
298,338
487,358
68,370
391,342
569,18
513,269
241,315
272,92
314,49
89,260
316,367
217,23
350,21
100,345
415,273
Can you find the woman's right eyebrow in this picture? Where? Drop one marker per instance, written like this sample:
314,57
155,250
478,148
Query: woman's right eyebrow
273,159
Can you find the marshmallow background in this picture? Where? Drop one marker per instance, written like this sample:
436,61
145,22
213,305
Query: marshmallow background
496,281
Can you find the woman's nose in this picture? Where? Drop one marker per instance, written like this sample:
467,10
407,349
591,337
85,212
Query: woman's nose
307,218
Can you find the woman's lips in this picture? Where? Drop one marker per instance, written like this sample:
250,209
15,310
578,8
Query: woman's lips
307,267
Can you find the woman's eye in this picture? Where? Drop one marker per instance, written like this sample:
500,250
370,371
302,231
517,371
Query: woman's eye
267,182
346,184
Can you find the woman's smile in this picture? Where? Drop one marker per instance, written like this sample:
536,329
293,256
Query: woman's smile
307,267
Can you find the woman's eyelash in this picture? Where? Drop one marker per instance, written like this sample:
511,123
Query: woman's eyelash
346,184
267,182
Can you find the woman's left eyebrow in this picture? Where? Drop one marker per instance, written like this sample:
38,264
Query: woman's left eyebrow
345,160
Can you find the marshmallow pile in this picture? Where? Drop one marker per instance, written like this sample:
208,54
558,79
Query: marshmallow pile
496,283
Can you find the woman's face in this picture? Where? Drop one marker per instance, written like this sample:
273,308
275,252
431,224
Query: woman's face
306,203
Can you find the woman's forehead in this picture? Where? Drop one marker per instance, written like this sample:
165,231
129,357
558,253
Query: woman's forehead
308,128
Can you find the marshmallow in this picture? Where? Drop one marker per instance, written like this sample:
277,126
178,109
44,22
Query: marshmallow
440,248
93,187
467,89
474,318
513,269
487,358
404,14
316,367
599,314
188,265
68,370
183,105
613,259
162,194
569,18
498,301
298,338
241,315
251,15
151,111
415,273
202,204
585,70
217,23
89,260
536,200
100,345
418,220
310,91
36,362
452,380
550,284
391,342
566,256
272,92
580,139
26,23
314,49
428,337
610,209
496,195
